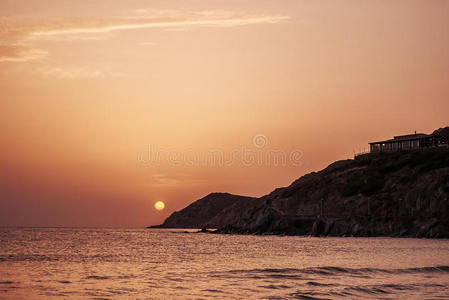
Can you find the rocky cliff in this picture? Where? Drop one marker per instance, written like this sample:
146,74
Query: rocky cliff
385,194
213,211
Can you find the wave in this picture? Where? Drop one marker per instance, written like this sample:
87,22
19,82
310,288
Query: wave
27,257
314,283
96,277
55,257
332,270
388,288
362,291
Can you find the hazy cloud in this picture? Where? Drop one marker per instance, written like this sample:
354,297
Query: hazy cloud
163,180
20,53
76,73
149,44
15,36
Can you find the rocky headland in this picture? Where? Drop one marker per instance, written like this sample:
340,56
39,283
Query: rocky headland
403,194
216,210
399,194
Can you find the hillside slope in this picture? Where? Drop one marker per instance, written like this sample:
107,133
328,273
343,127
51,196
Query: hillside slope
213,211
384,194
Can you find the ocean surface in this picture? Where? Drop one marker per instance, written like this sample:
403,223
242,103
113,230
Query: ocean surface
71,263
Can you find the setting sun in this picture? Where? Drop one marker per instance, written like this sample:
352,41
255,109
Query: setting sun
159,205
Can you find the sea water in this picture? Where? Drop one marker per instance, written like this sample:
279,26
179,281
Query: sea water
95,263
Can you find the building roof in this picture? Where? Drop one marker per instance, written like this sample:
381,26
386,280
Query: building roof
407,137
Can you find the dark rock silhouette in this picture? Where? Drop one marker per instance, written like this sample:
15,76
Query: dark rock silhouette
213,211
442,133
402,194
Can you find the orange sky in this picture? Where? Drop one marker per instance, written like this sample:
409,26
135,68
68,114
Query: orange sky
87,86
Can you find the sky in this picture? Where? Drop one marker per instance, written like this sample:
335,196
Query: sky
107,106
